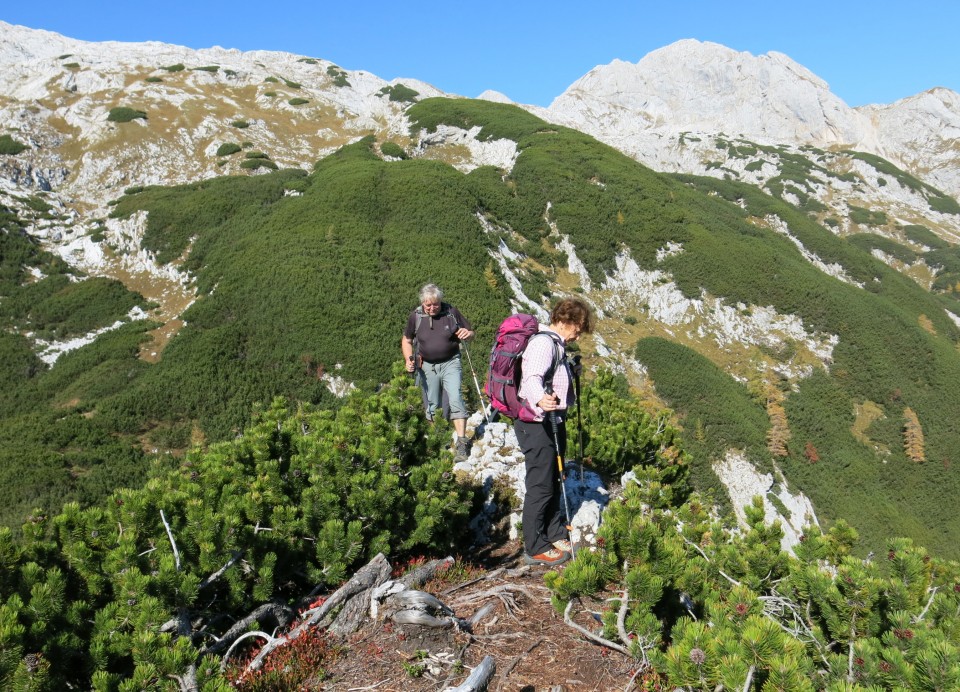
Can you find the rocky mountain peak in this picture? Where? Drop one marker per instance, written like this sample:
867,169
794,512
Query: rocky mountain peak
700,86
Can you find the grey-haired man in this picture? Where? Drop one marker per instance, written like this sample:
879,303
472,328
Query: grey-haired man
431,343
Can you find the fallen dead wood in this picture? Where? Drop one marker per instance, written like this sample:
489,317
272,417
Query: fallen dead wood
416,578
479,678
276,614
590,635
372,574
516,660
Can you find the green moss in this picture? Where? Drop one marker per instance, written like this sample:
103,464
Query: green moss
179,67
207,68
153,80
240,124
298,101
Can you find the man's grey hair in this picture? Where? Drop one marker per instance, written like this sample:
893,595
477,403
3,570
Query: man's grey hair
431,292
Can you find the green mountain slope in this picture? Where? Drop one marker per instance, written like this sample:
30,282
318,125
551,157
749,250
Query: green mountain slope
301,273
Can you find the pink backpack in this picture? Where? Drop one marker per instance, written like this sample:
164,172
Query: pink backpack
503,376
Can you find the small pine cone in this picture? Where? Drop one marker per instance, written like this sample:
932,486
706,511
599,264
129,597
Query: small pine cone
31,662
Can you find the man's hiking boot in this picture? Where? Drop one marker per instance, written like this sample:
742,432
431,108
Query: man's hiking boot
461,450
550,557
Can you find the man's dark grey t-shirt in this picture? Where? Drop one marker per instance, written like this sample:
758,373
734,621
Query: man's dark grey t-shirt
436,336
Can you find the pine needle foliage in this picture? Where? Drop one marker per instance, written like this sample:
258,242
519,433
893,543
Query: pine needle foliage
705,606
298,501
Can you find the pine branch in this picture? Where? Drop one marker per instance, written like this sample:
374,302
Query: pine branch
749,681
590,635
933,592
700,550
236,555
188,681
281,613
774,607
173,543
622,615
255,633
853,635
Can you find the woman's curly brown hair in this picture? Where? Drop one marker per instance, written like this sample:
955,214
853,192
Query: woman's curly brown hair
573,311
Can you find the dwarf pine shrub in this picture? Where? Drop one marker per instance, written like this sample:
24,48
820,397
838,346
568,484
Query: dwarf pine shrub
393,149
9,146
399,92
122,114
228,148
255,163
88,589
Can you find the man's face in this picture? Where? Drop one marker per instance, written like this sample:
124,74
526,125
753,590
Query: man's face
431,307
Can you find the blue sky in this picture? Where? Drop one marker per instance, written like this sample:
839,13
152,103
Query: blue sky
869,52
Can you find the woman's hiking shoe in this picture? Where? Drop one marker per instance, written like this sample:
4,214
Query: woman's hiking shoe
461,450
564,545
550,557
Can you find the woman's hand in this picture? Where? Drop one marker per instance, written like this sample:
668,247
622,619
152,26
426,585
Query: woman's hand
549,402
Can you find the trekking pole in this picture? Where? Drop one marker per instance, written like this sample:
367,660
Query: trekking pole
419,379
563,486
576,382
483,404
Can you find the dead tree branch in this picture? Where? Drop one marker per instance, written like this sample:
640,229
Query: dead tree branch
590,635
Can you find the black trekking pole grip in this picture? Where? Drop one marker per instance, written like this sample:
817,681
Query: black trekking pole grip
552,415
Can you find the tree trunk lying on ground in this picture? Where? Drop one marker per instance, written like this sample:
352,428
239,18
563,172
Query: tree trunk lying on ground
368,593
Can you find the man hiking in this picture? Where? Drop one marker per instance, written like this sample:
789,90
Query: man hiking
431,347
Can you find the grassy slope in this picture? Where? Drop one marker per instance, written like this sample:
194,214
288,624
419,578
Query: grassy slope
292,285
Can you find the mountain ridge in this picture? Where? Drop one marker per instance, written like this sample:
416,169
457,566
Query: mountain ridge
618,234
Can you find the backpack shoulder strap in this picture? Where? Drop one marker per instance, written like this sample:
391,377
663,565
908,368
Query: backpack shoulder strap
451,315
557,358
416,327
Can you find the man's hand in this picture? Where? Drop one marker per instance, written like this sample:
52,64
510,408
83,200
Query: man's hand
410,365
464,334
